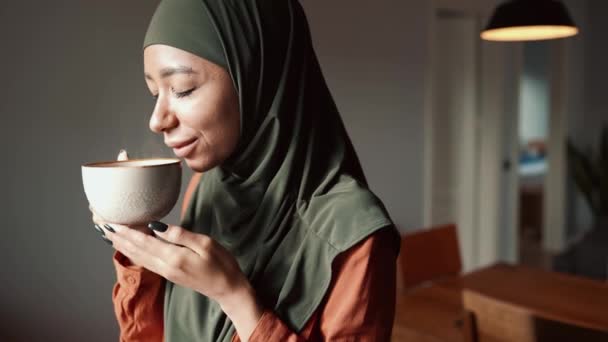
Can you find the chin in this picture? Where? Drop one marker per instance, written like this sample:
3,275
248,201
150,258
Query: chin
200,165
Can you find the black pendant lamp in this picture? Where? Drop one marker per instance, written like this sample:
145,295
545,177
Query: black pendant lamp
523,20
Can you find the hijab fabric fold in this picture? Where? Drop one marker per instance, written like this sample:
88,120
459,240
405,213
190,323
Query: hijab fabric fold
293,195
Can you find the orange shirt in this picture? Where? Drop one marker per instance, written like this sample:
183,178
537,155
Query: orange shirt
359,305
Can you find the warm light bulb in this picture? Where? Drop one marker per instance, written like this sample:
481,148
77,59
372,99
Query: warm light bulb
525,33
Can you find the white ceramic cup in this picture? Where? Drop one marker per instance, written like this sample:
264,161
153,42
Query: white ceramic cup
132,192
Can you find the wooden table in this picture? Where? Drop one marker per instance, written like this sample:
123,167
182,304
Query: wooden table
554,296
435,313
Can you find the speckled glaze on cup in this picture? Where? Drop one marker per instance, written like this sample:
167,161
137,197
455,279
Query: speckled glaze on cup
132,192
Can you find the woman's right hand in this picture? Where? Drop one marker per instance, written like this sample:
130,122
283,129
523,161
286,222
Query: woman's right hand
99,223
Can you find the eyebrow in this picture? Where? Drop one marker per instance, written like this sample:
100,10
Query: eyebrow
170,71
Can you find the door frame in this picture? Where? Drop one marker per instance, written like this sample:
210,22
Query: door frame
496,62
554,203
497,212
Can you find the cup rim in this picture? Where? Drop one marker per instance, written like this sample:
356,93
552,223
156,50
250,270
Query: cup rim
117,163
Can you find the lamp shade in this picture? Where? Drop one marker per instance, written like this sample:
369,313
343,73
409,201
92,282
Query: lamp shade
522,20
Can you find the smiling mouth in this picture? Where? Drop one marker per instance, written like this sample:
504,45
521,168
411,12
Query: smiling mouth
185,149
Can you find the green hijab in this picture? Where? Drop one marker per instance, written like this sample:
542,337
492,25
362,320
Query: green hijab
293,195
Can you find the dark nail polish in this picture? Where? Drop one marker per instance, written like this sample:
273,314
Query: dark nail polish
107,226
158,226
107,240
98,228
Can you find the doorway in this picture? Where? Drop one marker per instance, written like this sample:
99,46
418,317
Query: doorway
532,165
541,155
471,137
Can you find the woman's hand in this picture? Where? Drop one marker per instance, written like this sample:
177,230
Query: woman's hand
100,223
194,261
185,258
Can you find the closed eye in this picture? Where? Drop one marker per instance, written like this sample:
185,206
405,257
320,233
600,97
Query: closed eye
184,93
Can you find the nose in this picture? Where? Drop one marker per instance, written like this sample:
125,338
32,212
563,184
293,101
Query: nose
163,118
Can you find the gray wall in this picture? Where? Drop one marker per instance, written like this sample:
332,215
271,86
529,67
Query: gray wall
374,56
73,92
596,73
588,107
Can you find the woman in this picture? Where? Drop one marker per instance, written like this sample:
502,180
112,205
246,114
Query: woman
280,239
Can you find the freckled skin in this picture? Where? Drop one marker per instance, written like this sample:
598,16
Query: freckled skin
198,103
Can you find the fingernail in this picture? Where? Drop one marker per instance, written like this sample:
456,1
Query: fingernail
158,226
107,226
106,240
98,228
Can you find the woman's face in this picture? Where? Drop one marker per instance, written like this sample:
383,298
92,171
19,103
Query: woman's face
197,107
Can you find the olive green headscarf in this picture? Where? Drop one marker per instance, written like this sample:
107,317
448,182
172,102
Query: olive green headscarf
293,195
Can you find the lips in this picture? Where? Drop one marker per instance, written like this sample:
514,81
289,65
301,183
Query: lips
177,145
183,148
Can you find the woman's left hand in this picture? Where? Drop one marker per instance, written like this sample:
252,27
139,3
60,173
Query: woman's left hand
191,260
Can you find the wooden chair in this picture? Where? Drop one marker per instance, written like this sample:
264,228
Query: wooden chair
494,320
428,255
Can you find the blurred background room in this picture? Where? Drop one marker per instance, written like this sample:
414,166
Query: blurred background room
501,141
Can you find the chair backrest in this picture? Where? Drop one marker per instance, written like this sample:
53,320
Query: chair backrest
429,254
496,320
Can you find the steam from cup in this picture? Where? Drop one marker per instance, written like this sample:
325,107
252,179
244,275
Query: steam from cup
122,155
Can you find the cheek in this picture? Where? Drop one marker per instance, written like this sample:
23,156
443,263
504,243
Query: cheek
229,121
221,133
196,114
230,117
215,122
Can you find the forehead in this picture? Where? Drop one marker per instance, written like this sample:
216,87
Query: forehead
159,56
